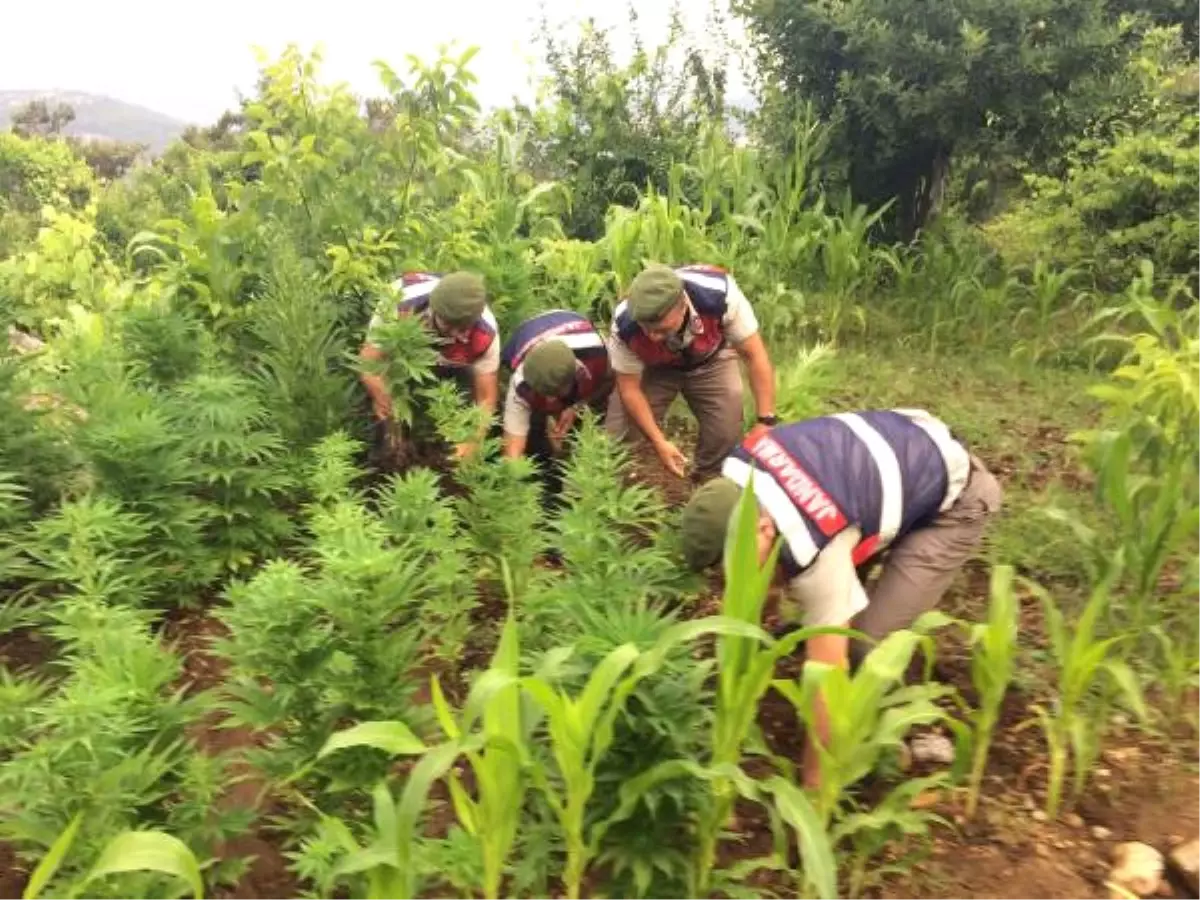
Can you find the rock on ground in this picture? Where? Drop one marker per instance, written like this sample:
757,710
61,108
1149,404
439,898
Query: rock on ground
1185,863
932,748
1137,867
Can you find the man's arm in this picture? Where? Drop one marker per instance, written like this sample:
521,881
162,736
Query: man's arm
517,418
741,327
381,399
637,407
833,650
760,372
830,594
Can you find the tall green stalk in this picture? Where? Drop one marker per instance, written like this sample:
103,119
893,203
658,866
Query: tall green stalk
995,645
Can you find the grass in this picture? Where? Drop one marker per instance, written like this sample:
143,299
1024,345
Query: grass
1016,418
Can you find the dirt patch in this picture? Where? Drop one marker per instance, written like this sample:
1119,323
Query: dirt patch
26,650
192,633
13,874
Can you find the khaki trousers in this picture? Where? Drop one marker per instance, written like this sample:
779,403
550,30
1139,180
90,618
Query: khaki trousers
713,393
919,568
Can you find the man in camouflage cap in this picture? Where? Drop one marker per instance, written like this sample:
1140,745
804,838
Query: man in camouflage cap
838,491
682,331
558,363
454,308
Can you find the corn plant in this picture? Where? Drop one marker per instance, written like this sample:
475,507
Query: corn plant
869,832
1087,674
1179,662
995,647
129,851
498,753
581,729
745,666
500,767
869,712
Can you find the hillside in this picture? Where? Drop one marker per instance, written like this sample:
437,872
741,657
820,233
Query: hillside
101,117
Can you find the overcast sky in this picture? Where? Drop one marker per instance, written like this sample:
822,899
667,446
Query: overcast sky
190,66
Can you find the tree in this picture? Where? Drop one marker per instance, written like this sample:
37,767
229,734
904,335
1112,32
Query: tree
1167,13
611,130
37,118
910,84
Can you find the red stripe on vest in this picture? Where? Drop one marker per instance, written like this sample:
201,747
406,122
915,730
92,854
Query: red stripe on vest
803,490
865,550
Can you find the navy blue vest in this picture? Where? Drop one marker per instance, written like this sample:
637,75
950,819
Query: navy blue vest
881,471
577,333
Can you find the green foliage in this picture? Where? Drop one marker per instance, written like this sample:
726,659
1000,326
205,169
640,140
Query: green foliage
337,634
108,744
1125,191
887,74
35,174
612,130
1088,675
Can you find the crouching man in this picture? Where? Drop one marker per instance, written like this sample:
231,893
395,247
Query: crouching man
454,310
841,490
558,362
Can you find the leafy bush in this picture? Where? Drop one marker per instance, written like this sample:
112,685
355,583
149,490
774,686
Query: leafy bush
109,743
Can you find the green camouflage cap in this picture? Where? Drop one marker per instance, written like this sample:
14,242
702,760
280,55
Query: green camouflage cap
550,368
652,294
459,298
706,520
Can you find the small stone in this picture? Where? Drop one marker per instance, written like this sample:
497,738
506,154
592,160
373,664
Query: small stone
1029,804
1042,850
1073,820
1120,720
1185,863
1137,868
1121,756
932,748
1100,833
1038,815
1103,773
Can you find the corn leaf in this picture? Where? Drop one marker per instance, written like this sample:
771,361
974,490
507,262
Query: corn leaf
53,859
149,851
393,737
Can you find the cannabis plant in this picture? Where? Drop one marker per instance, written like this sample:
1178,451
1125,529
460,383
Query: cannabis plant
337,635
109,744
238,467
297,354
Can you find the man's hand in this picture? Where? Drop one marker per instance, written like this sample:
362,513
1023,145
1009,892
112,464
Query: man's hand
672,458
464,450
382,405
560,426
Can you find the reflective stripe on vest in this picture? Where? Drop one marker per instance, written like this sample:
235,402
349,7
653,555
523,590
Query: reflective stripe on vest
578,333
883,472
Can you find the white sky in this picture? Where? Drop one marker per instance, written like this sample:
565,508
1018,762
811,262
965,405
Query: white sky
189,67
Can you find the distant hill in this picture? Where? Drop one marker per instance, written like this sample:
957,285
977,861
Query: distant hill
101,117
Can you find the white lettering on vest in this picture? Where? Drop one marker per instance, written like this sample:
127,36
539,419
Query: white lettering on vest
799,486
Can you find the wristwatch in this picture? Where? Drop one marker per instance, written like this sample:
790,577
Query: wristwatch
769,421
